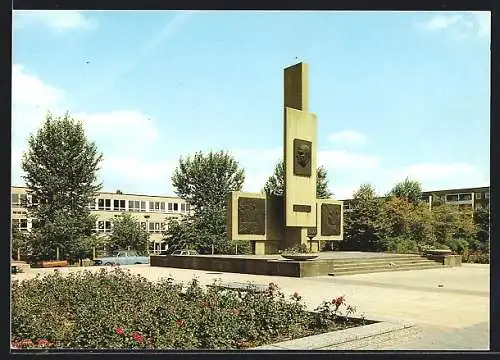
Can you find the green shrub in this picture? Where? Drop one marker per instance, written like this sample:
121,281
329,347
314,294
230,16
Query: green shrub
401,245
117,310
477,258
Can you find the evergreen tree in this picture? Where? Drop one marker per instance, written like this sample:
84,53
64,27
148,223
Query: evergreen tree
365,227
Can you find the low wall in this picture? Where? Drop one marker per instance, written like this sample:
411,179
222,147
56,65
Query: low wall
447,260
245,265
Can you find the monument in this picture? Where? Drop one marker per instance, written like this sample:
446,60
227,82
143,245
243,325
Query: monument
274,223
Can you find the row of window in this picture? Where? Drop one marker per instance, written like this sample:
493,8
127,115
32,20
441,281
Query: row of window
138,206
118,205
461,197
20,224
19,199
106,226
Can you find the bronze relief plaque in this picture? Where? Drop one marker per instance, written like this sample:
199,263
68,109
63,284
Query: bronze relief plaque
251,216
330,219
302,157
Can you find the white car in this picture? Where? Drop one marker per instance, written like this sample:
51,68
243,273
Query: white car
184,252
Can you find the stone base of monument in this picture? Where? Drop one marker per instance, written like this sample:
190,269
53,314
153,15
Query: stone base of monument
299,257
245,265
334,264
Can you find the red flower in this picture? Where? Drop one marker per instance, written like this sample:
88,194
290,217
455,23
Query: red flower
180,322
25,343
119,330
137,337
43,342
338,301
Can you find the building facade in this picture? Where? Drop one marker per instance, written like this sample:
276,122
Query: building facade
152,212
465,198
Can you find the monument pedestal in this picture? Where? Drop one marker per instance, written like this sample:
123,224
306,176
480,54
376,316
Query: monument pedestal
266,247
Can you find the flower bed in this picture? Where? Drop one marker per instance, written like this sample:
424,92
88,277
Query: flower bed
117,310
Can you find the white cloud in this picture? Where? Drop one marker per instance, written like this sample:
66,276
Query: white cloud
433,171
476,23
120,135
120,131
441,22
342,192
54,19
348,137
483,21
439,176
259,165
345,160
31,99
135,169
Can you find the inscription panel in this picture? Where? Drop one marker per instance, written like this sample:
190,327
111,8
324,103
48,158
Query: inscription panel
251,216
302,157
330,219
302,208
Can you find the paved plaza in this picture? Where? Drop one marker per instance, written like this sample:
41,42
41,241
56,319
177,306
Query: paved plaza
449,306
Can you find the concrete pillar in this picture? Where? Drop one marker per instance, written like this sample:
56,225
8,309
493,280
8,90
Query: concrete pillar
295,236
57,253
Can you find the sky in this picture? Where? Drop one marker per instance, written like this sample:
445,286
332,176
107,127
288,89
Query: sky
396,94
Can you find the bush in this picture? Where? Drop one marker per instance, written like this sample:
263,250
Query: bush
401,245
477,258
117,310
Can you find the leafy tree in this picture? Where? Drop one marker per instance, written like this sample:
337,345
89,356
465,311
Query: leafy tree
407,189
453,228
410,225
19,241
482,221
126,233
275,184
204,181
72,235
365,227
60,169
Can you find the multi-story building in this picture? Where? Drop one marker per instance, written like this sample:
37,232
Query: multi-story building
151,211
464,198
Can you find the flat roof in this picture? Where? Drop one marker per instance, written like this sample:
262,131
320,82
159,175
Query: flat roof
114,193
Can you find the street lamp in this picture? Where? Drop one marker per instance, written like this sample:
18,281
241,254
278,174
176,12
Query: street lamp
147,229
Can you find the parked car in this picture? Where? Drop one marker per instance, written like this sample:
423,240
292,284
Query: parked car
184,252
122,258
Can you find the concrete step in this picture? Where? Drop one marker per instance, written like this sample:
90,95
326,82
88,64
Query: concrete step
380,259
384,264
367,270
